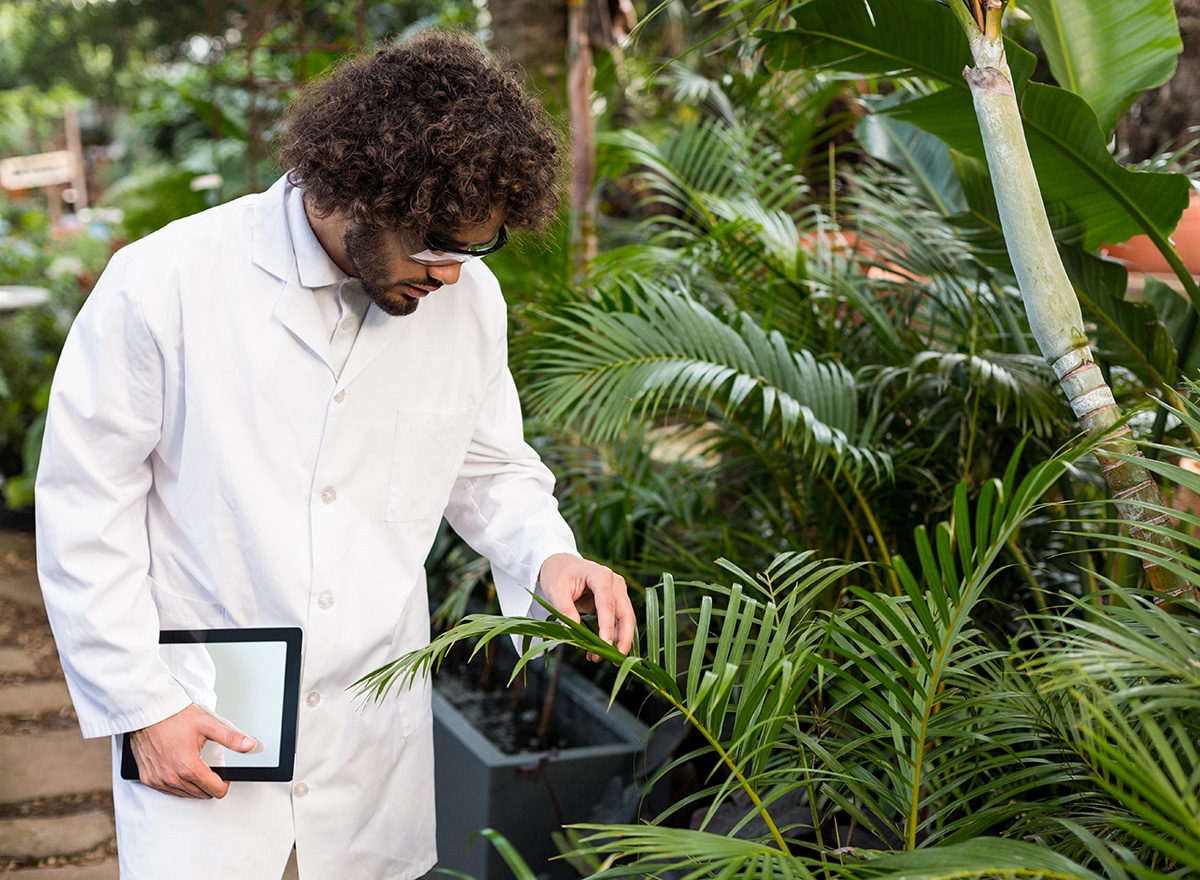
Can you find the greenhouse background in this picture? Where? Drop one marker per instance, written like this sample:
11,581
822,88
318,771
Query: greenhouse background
899,615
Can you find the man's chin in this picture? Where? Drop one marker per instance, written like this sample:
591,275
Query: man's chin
393,303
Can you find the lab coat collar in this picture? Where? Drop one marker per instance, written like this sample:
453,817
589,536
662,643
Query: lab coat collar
297,308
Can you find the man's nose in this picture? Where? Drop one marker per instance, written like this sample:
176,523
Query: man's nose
447,273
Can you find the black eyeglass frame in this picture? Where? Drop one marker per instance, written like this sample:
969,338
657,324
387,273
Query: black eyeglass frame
435,244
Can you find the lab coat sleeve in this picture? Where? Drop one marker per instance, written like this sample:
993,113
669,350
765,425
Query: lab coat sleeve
103,422
503,502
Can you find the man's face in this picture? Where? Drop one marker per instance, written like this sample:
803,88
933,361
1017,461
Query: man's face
383,263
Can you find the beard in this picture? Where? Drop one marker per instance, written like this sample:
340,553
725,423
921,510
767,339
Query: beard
368,255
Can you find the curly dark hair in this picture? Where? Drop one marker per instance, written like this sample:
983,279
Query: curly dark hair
429,135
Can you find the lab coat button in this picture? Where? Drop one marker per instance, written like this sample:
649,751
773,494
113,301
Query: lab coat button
325,601
339,397
313,698
328,496
348,324
299,789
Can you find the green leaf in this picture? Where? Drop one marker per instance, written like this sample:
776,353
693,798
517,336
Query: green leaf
924,157
1090,197
1075,167
1173,311
613,364
980,858
1129,334
1107,51
508,852
879,37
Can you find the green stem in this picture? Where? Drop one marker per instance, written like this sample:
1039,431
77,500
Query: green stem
1023,567
715,742
1186,338
1091,587
855,531
877,532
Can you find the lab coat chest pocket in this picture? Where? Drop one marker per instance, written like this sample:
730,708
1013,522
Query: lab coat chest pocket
428,450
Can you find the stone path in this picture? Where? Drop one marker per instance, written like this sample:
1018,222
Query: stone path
56,820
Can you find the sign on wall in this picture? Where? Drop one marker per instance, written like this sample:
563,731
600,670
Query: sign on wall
40,169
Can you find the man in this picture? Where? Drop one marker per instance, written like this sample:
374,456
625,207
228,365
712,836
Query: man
259,418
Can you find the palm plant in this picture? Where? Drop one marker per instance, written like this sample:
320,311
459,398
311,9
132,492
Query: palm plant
834,35
861,719
830,391
890,736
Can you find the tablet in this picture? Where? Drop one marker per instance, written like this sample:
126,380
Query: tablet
249,679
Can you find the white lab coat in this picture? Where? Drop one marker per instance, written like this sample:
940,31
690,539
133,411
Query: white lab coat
202,467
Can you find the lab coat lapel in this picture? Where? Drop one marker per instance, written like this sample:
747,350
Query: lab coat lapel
296,309
378,331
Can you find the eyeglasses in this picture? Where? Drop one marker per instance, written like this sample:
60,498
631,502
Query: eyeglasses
438,249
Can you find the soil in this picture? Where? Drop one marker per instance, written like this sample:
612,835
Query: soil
507,716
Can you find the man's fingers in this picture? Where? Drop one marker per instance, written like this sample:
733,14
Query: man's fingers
204,786
168,753
230,739
626,623
573,586
193,779
614,614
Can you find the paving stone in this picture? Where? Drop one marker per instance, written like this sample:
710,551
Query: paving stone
21,587
98,871
42,837
33,698
15,660
53,763
21,543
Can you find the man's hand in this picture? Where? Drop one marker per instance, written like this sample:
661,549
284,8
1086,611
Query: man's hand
168,753
577,586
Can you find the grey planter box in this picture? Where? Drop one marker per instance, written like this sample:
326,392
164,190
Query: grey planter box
523,795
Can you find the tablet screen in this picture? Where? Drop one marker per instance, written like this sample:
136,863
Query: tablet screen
249,679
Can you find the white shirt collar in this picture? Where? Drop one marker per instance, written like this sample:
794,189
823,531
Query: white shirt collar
315,267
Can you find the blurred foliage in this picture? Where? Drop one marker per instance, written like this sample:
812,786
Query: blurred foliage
66,264
94,46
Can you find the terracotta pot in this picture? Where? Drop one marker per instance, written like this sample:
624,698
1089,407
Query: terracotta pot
1140,255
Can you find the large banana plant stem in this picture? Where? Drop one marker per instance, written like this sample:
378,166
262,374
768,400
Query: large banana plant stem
1050,302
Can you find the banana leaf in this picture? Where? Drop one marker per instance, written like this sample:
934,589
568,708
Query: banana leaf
1107,51
1094,199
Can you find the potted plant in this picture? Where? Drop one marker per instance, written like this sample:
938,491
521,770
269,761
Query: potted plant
520,754
525,756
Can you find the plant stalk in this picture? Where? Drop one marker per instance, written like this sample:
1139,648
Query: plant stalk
1050,302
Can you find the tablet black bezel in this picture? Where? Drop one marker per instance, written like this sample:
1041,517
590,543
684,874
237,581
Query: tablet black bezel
292,637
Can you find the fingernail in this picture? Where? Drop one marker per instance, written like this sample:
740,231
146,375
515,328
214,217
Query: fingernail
247,742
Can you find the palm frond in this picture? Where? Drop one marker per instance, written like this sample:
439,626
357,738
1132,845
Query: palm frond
1124,682
691,855
615,364
1021,382
911,682
699,162
983,859
717,194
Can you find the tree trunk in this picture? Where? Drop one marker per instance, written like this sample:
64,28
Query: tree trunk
1050,302
553,44
533,34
